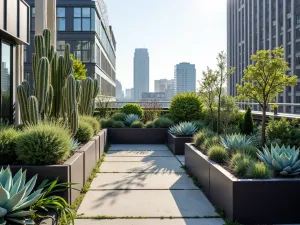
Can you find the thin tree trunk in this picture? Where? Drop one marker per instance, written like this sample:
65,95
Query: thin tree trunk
263,131
212,119
219,110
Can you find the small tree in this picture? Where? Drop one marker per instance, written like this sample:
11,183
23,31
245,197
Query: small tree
208,91
78,69
264,80
248,122
222,74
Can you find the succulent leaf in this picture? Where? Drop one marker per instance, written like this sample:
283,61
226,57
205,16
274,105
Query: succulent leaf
183,129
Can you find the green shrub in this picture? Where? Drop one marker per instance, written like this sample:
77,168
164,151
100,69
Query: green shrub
280,129
149,124
248,122
92,121
119,116
163,123
250,150
8,144
201,136
85,132
199,124
258,171
186,107
20,127
217,153
137,124
131,108
118,124
44,144
240,163
210,141
107,123
167,115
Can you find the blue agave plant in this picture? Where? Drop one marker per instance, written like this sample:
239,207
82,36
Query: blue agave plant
131,118
283,160
183,129
235,141
74,144
16,197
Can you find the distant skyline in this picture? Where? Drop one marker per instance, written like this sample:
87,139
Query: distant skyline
173,31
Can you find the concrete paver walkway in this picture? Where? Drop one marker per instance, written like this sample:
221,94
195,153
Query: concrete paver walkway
144,185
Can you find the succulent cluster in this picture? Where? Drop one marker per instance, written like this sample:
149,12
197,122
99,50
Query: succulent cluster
234,141
16,197
129,119
283,160
183,129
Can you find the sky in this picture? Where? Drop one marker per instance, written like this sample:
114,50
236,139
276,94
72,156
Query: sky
174,31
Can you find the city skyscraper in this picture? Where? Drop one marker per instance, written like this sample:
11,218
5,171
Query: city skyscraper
141,72
119,90
165,85
255,25
184,78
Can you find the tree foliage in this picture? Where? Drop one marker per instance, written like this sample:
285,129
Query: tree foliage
248,122
78,69
265,79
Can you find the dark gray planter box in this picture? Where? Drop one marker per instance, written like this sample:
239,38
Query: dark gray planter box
249,201
96,138
102,142
51,219
137,135
90,158
177,143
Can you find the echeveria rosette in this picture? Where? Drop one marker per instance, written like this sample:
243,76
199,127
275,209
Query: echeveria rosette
184,129
283,160
16,197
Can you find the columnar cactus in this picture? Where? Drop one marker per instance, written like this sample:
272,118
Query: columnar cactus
90,90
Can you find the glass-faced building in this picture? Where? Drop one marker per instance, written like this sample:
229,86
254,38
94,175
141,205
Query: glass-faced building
14,34
84,25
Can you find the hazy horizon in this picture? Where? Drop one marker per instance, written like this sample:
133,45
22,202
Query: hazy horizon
173,31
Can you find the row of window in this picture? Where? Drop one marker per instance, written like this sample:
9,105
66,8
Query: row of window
107,88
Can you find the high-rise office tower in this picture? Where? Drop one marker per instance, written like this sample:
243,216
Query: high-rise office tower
165,85
264,24
184,78
85,27
119,90
141,73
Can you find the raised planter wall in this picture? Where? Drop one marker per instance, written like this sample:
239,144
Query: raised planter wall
137,135
259,201
76,169
177,144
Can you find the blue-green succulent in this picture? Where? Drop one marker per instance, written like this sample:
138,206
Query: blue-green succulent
283,160
184,129
234,141
16,197
131,118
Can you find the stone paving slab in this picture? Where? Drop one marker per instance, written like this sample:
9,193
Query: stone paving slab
130,147
146,203
142,181
200,221
181,158
157,166
120,153
139,159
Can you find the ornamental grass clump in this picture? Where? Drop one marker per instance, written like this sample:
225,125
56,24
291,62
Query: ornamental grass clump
8,144
258,170
163,122
44,144
137,124
119,116
92,121
85,132
217,153
201,136
240,163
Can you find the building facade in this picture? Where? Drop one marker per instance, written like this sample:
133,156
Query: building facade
165,85
119,91
184,78
159,96
84,25
141,73
14,35
264,24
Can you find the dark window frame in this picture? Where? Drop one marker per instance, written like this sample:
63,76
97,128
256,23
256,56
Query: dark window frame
81,18
61,18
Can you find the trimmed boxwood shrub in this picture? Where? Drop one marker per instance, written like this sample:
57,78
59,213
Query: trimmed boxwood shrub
163,122
132,108
85,132
92,121
8,144
119,116
186,107
107,123
118,124
137,124
44,144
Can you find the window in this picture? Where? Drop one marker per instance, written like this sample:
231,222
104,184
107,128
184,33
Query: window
60,47
98,61
289,36
289,49
32,18
84,51
6,80
61,19
84,19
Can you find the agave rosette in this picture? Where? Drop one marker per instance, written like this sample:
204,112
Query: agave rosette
183,129
16,197
130,118
283,160
235,141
